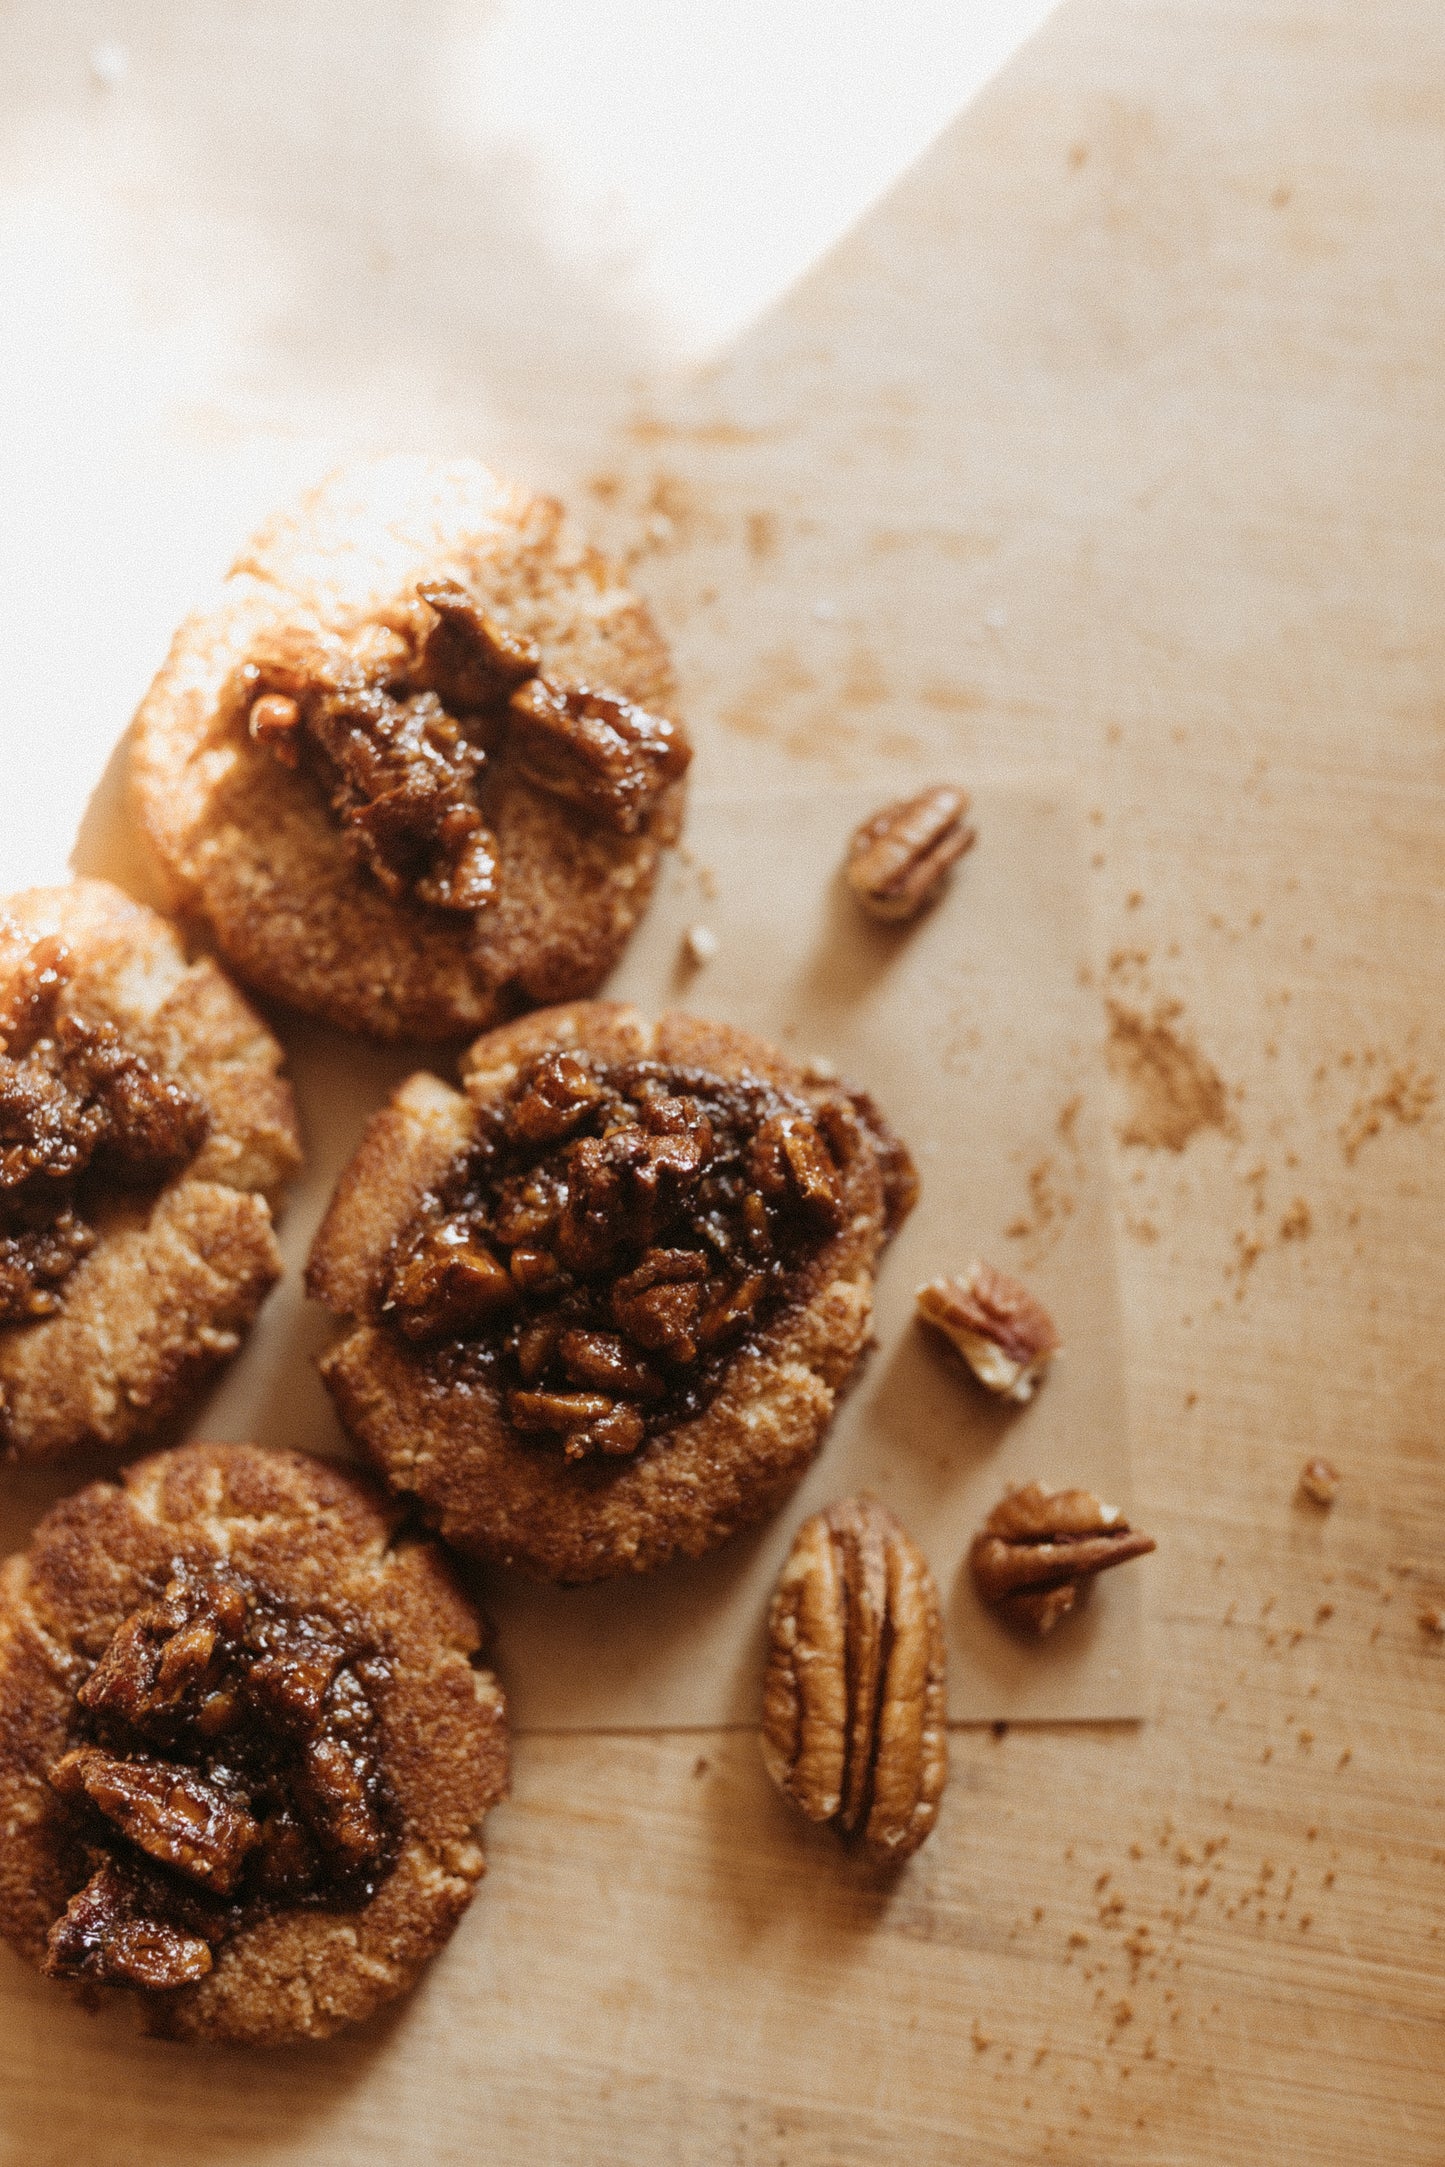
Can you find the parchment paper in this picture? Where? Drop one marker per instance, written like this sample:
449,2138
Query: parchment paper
974,1033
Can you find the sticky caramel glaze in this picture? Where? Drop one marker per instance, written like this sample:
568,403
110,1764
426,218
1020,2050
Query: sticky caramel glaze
615,1235
221,1765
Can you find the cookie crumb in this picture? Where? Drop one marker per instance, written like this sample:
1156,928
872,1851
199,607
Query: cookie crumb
1319,1481
1432,1619
700,944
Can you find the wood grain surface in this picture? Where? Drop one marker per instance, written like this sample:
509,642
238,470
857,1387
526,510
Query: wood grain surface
1112,440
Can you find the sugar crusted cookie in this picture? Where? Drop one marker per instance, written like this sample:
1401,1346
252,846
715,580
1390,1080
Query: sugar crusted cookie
145,1135
247,1741
600,1305
414,767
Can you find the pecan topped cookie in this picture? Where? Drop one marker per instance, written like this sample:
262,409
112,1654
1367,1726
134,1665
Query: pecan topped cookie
144,1134
246,1744
600,1306
416,766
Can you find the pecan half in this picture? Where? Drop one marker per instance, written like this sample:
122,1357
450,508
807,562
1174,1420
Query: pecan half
169,1812
1039,1551
854,1696
1004,1334
899,857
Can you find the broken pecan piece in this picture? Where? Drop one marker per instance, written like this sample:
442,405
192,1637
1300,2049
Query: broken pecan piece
446,1281
595,750
101,1937
169,1812
1004,1334
854,1696
1039,1551
900,855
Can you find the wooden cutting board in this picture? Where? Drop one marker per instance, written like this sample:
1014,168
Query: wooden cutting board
1112,441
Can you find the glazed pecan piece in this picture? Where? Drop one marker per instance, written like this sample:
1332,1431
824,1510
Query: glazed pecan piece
1003,1332
470,661
854,1696
170,1656
595,750
175,1816
103,1937
1040,1550
899,857
586,1422
446,1281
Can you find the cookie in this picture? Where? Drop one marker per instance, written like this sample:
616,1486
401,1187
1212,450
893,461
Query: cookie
145,1136
414,766
246,1746
601,1303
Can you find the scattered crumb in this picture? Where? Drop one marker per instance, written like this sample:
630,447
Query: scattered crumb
1405,1097
701,1765
1297,1222
1324,1613
820,1070
700,943
1174,1091
1319,1481
1432,1619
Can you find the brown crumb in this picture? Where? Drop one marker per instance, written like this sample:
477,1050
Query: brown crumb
1319,1481
1297,1221
1405,1097
1432,1619
1174,1091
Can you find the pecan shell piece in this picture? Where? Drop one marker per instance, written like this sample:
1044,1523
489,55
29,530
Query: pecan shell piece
900,856
1040,1550
1003,1332
855,1694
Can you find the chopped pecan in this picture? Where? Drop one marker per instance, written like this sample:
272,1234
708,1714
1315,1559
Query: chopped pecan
470,661
854,1696
1004,1334
169,1812
1319,1482
102,1937
595,750
331,1791
899,857
1040,1550
446,1281
587,1422
166,1654
562,1090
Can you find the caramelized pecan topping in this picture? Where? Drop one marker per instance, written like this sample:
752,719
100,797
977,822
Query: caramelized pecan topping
406,724
613,1238
1040,1550
854,1697
227,1761
77,1108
